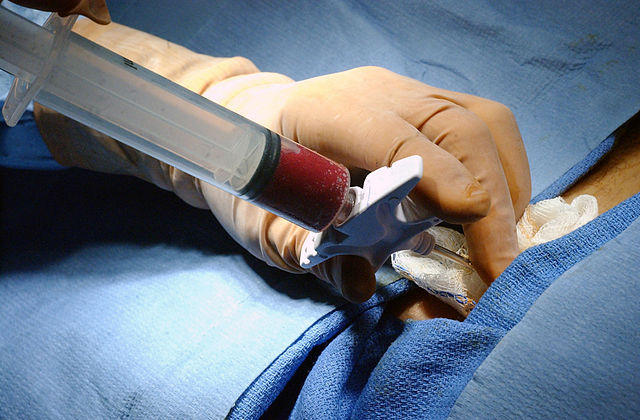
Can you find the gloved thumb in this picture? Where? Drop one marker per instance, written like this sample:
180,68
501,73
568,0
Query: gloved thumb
351,275
354,276
279,243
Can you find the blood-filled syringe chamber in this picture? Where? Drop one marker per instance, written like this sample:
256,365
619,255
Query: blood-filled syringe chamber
305,187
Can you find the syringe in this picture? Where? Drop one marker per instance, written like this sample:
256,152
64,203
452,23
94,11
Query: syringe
105,91
92,85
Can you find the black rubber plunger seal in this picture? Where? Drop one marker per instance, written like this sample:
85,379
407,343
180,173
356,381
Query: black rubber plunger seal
266,168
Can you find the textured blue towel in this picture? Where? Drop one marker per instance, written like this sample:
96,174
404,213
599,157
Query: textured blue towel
422,373
575,353
119,301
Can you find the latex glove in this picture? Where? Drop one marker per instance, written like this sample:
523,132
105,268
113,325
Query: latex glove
474,160
364,118
95,10
268,237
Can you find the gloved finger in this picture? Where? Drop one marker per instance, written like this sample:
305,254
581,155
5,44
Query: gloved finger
506,136
279,243
370,139
492,240
351,275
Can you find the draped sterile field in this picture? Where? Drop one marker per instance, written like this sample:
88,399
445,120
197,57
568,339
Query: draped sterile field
118,300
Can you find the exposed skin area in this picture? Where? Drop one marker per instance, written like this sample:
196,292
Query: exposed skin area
418,304
617,176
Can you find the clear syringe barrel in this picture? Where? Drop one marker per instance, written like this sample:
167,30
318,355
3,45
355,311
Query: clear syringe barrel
142,109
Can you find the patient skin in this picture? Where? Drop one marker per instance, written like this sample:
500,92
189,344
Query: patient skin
611,181
418,304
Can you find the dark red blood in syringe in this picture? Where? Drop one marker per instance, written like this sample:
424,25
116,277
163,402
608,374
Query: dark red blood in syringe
306,188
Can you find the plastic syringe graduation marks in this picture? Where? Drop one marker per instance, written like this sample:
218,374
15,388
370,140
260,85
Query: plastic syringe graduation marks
110,93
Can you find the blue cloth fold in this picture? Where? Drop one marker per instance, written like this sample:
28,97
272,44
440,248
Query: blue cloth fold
424,371
574,353
263,391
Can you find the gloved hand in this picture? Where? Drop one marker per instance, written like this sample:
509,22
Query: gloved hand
474,160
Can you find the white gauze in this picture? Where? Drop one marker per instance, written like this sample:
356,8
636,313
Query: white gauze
461,287
550,219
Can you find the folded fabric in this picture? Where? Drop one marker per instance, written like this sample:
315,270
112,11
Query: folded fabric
424,370
573,354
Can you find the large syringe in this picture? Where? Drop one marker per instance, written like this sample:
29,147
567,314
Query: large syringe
90,84
105,91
